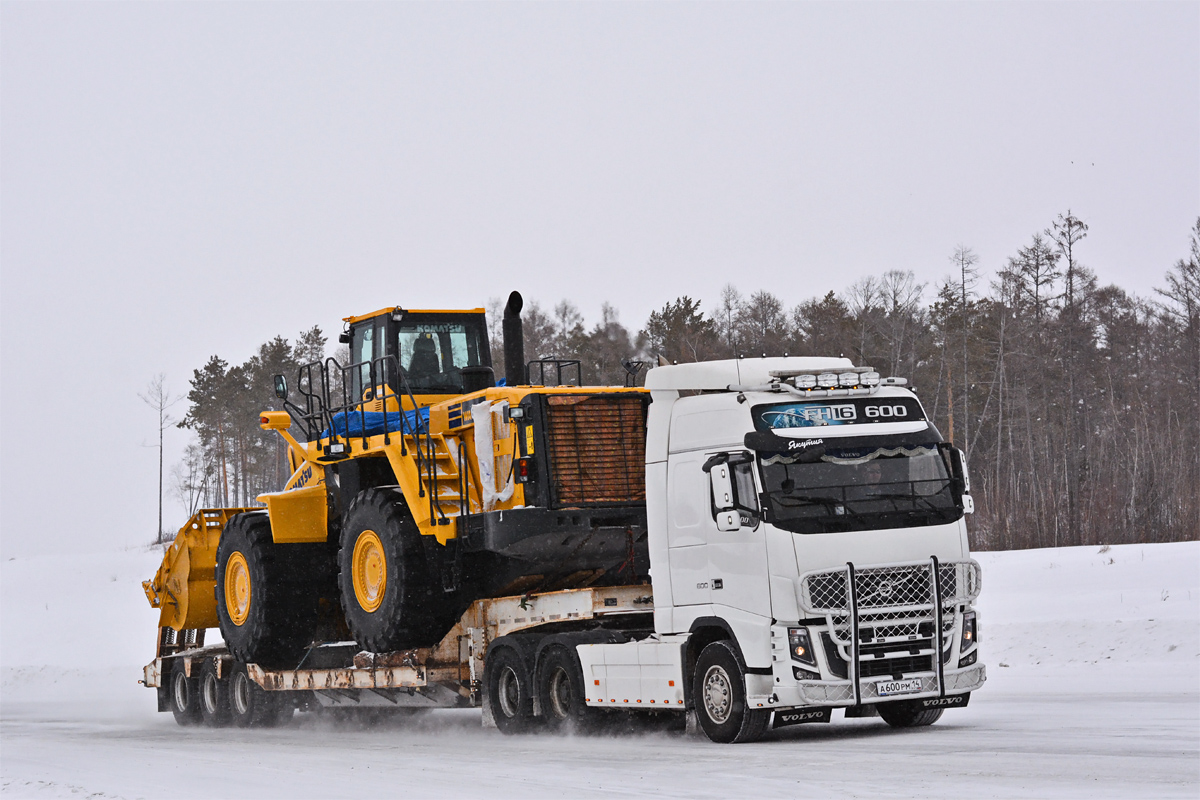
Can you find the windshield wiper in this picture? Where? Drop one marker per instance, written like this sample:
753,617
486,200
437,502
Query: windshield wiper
807,500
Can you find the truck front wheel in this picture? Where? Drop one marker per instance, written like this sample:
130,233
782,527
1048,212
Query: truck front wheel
908,714
719,692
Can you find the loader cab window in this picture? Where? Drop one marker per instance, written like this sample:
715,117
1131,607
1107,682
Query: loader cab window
433,349
362,351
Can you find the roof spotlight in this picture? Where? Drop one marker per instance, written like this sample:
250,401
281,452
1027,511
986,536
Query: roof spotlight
869,378
806,381
848,379
827,380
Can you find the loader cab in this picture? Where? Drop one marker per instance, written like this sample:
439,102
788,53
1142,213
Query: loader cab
434,354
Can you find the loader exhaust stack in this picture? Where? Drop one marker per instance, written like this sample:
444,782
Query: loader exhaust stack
514,341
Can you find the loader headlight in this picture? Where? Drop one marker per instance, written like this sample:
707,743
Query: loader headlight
801,646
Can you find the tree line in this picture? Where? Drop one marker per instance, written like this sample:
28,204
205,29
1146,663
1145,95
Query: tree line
1078,404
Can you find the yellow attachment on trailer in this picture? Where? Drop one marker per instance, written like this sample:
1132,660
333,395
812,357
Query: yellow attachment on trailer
185,585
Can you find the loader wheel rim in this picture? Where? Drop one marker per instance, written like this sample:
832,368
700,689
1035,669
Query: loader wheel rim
237,588
369,571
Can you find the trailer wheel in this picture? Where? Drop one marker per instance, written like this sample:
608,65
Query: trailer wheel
386,591
251,706
719,692
265,618
185,696
214,696
562,692
908,714
509,685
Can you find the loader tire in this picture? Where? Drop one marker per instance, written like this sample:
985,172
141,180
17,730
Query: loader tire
267,610
185,696
251,706
908,714
390,600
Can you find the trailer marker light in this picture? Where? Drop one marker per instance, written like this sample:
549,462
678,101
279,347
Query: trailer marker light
597,681
670,683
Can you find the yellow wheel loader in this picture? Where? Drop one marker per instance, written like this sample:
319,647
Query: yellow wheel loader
419,486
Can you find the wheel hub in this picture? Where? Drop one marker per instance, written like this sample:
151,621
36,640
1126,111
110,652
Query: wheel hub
510,692
718,694
237,588
560,694
369,570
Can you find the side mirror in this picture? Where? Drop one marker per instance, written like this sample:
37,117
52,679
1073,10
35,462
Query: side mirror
281,390
722,487
729,521
962,470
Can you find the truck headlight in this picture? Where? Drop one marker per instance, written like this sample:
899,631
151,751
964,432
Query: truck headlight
969,633
801,647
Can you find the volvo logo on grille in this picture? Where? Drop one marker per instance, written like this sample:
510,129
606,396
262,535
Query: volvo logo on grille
885,588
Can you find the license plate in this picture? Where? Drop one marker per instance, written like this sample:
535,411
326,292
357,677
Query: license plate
885,688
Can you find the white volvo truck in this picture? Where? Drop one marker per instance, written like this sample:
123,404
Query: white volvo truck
808,551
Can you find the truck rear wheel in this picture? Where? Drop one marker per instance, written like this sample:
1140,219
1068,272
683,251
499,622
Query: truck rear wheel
251,706
267,612
510,689
562,692
908,714
185,696
719,692
214,696
386,590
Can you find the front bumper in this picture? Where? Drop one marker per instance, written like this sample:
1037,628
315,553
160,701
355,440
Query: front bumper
876,625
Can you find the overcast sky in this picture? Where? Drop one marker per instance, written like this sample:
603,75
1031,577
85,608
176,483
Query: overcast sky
184,179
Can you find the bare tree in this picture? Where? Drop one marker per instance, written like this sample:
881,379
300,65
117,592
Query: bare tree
965,264
159,398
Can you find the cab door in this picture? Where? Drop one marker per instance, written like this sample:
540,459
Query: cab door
689,523
737,559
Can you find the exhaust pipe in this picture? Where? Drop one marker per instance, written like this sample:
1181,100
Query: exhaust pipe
514,341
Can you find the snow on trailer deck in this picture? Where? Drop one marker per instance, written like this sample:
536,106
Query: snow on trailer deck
1093,691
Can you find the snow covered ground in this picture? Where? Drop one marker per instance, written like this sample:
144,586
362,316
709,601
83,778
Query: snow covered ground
1094,691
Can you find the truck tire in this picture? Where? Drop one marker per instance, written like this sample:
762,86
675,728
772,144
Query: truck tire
185,696
387,594
251,706
719,692
267,612
214,696
562,693
509,689
908,714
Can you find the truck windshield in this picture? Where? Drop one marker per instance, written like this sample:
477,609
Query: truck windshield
860,484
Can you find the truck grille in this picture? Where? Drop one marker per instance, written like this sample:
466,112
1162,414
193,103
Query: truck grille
903,586
597,448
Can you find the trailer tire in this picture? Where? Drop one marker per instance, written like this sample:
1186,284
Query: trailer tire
185,696
509,689
251,706
214,696
562,693
719,692
908,714
386,592
265,617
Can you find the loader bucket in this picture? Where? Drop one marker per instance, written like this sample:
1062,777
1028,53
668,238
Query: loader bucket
185,585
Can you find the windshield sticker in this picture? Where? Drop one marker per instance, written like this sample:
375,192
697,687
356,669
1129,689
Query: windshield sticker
785,416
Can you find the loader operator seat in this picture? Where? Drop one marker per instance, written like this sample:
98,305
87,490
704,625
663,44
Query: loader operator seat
424,367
